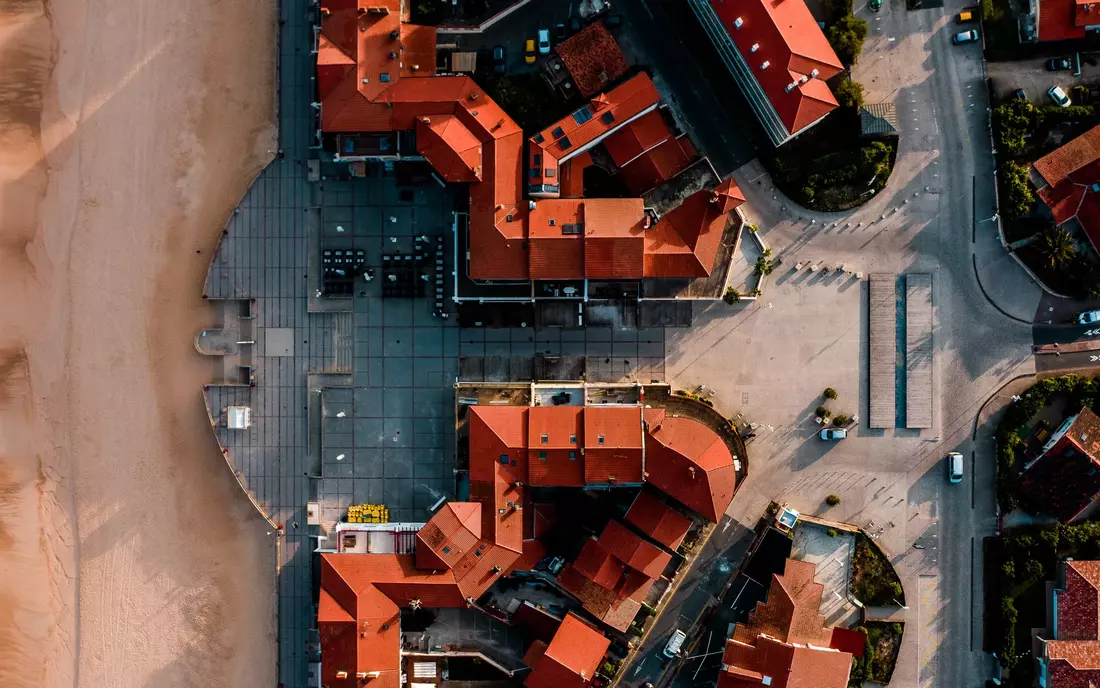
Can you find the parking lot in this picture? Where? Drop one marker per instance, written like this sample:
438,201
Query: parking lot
1035,79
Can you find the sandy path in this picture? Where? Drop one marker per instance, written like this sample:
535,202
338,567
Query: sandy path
154,120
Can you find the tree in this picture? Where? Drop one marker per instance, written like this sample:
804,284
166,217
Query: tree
876,159
731,296
846,36
832,500
830,393
1057,247
849,93
1012,123
1018,198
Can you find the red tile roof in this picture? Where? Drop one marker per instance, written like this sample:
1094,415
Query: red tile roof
359,612
1074,658
685,242
785,642
571,659
637,137
451,533
786,36
598,565
658,520
451,149
606,605
556,460
656,166
593,59
633,551
613,444
689,462
587,125
1061,20
554,254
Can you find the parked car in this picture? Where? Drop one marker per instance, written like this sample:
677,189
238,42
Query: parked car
529,51
544,41
833,434
500,58
964,17
1059,64
559,32
1059,97
875,5
574,24
612,20
954,467
1088,317
672,648
1019,94
965,37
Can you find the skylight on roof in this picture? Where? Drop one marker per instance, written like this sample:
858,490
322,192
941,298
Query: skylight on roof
572,455
607,117
545,436
565,143
572,439
537,138
558,132
384,77
504,458
600,439
542,455
583,115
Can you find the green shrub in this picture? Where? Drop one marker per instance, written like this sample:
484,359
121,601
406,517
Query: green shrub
634,629
763,266
846,36
649,609
1017,198
822,412
1009,569
849,93
829,393
731,296
831,532
1012,122
832,500
841,420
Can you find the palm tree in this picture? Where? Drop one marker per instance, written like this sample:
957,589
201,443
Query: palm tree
1057,247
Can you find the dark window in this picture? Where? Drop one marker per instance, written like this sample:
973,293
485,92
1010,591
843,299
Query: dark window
545,437
607,117
601,439
537,138
549,172
583,115
565,143
504,459
552,222
446,550
384,77
542,455
572,439
477,552
536,159
558,132
534,173
572,455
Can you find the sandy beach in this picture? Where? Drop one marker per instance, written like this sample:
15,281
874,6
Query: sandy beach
128,555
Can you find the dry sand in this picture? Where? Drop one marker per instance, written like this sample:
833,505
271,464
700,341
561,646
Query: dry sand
128,555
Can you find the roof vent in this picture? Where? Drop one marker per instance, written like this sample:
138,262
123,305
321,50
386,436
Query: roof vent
600,439
803,79
814,73
394,34
738,23
765,65
754,48
766,681
393,55
341,674
1096,187
473,95
790,87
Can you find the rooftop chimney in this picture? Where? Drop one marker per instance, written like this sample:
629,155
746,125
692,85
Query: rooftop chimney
765,65
737,23
754,48
395,34
360,675
341,674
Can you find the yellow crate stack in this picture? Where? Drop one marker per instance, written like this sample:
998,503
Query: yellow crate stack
368,513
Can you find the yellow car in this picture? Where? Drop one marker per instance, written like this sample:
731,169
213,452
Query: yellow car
529,51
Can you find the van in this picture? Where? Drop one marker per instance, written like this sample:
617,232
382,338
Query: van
955,467
672,648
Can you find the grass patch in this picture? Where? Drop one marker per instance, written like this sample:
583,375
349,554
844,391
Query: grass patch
832,168
874,581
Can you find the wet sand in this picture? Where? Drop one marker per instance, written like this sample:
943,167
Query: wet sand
128,555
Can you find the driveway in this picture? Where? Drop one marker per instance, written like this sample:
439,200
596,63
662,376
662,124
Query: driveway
771,360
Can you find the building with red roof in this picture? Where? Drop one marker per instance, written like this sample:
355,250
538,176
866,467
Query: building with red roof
592,58
1062,20
1064,480
658,520
1072,658
694,468
376,80
785,642
1068,180
570,660
778,56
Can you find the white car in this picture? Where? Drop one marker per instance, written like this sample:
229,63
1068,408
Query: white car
833,434
955,467
672,648
1059,97
544,41
1088,317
